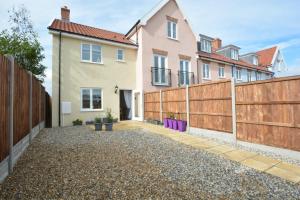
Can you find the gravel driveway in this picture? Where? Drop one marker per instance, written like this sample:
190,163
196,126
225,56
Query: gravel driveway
77,163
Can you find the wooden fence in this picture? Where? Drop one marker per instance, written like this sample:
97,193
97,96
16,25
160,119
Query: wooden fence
22,82
265,112
268,112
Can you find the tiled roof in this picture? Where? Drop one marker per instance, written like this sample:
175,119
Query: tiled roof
79,29
240,63
265,56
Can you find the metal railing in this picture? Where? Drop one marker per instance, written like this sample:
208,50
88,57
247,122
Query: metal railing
161,76
185,78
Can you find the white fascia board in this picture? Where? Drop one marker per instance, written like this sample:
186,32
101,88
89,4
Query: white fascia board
275,55
79,37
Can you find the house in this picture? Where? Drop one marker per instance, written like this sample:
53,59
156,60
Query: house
92,70
166,50
217,62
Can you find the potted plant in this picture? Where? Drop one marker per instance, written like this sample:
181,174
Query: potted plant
109,120
98,124
77,122
170,118
166,122
181,125
174,123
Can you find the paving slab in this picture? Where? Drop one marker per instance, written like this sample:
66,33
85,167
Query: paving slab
258,165
239,155
266,160
285,174
286,166
221,149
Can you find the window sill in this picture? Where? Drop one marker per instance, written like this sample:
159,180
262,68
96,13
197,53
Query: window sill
208,79
121,61
222,77
161,84
96,63
91,110
174,39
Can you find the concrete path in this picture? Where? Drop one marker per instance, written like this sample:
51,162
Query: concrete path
250,159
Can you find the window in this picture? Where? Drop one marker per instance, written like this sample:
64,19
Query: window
206,71
221,72
249,75
172,30
120,55
160,71
234,54
255,60
258,76
91,53
184,72
206,46
239,74
91,99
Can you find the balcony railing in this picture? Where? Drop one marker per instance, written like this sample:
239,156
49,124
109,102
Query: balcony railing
160,76
185,78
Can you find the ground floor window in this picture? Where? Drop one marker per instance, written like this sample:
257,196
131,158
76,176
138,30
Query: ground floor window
91,99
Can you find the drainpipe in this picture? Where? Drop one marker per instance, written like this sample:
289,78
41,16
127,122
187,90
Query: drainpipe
59,80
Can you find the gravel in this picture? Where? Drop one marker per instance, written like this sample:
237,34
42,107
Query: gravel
78,163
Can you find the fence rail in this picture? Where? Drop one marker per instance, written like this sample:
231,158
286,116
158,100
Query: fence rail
265,112
22,108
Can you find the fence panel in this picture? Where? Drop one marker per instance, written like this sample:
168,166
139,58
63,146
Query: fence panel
268,112
152,106
36,96
174,101
21,103
4,109
210,106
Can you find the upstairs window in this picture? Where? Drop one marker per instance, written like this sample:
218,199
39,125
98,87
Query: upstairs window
221,72
206,46
239,74
206,71
91,53
258,76
120,55
234,54
249,75
172,30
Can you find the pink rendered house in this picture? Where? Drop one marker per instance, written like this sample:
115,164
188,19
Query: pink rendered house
166,55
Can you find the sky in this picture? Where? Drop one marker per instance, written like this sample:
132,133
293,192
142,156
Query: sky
249,24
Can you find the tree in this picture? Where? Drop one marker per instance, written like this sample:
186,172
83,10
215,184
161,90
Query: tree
22,42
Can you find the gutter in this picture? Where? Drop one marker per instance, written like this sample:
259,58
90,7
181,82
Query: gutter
59,81
132,27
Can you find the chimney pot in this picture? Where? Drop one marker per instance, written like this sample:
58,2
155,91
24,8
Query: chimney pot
65,14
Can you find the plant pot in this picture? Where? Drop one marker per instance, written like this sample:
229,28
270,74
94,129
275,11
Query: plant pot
108,126
166,123
170,124
174,124
98,126
181,125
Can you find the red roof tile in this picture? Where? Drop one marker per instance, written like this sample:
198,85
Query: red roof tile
240,63
79,29
265,56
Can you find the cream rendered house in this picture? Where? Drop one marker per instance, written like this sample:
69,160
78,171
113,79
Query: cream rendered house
92,70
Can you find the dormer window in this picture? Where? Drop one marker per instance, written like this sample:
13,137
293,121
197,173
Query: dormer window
206,46
234,54
255,60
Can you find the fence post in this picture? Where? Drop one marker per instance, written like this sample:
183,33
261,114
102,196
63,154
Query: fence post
11,114
187,99
160,106
40,102
30,109
233,108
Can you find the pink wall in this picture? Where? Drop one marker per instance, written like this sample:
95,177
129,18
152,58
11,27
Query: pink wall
154,36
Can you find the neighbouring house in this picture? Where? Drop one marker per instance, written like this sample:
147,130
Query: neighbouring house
166,50
216,62
92,70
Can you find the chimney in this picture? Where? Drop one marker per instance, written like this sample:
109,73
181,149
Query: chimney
65,14
217,43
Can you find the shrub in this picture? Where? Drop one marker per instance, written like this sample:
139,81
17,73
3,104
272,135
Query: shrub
77,122
97,120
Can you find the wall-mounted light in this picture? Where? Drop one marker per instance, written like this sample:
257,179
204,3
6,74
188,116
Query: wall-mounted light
116,89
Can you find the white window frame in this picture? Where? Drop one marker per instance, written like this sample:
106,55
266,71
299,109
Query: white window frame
249,75
91,100
188,70
206,46
117,55
234,54
159,72
258,76
255,60
221,67
91,53
238,74
172,30
205,65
